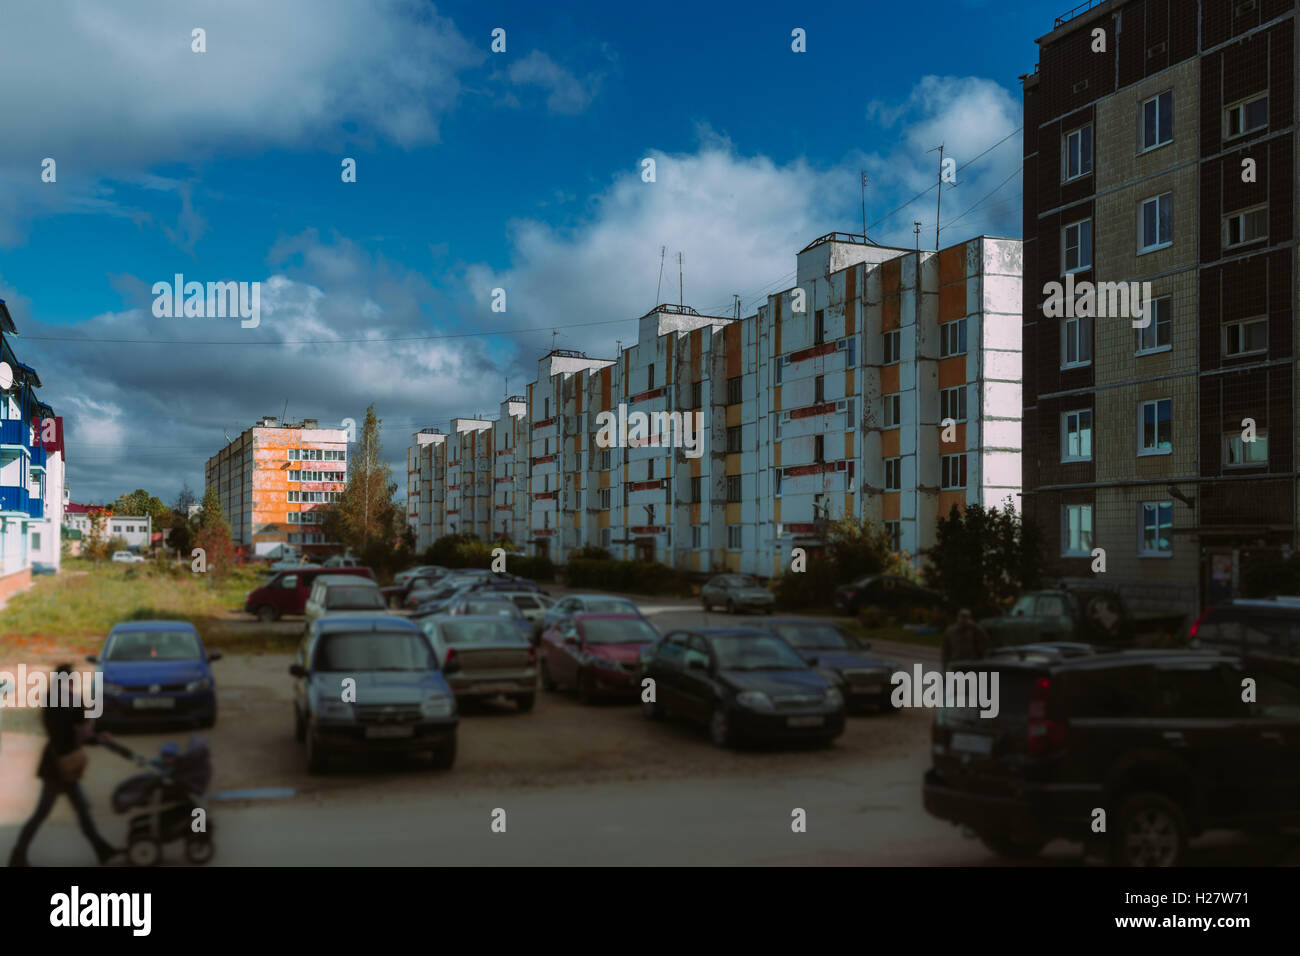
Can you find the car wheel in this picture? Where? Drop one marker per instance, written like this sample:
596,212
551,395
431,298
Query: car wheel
299,728
445,757
143,850
266,614
720,731
585,696
548,683
317,759
525,702
1151,831
731,606
1013,848
199,848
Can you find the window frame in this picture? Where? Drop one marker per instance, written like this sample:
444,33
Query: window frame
1143,146
896,465
1078,323
1065,153
1143,551
954,329
945,472
896,337
955,394
1142,247
1143,450
1081,552
892,401
1154,328
1065,247
1241,215
1242,323
1240,105
1065,435
1261,438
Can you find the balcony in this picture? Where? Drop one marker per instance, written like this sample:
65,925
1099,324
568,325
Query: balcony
35,507
14,500
38,454
14,432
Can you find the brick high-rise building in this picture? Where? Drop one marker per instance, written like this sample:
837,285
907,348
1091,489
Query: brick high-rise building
1160,147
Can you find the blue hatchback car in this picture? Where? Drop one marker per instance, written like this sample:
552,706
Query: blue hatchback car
156,672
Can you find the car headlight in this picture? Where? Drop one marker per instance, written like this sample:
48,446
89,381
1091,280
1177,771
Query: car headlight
113,690
834,698
755,700
604,663
202,683
438,706
334,709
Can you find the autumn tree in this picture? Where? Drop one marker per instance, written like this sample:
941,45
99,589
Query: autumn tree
213,536
367,516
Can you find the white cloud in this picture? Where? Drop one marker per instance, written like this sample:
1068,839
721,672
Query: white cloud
566,93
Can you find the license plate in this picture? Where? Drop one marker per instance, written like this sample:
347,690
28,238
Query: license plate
495,688
805,721
373,732
154,703
972,744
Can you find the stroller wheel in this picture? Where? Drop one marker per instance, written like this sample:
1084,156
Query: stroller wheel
143,851
199,849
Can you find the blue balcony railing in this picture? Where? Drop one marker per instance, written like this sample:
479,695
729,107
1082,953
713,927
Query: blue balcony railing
35,507
14,499
13,432
38,456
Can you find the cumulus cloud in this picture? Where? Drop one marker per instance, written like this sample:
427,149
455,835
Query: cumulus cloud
565,92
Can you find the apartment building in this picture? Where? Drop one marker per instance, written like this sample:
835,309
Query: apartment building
1165,163
275,483
885,384
29,433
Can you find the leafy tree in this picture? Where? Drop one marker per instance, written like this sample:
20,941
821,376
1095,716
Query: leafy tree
140,502
96,543
367,512
213,536
983,558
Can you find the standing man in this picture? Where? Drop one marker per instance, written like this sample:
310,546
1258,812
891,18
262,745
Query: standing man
965,640
62,764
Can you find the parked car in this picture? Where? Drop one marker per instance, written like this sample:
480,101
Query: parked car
127,557
1268,629
156,672
506,582
343,594
403,702
598,655
41,567
489,604
533,605
341,561
1159,739
395,595
433,571
287,591
587,604
745,685
891,592
430,600
862,677
1085,614
485,657
736,592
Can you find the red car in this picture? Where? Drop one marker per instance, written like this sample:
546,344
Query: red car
598,655
286,592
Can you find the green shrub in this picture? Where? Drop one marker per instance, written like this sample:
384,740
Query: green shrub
795,592
873,617
633,577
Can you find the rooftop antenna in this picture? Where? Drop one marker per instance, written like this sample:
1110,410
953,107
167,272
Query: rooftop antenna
681,295
660,286
864,204
284,412
939,201
916,228
737,303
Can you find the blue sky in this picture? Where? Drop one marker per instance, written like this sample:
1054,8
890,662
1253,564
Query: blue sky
475,170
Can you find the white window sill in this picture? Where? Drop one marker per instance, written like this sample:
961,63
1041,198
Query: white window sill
1155,351
1076,554
1151,149
1076,365
1143,250
1076,177
1154,452
1075,461
1250,354
1234,246
1076,270
1155,554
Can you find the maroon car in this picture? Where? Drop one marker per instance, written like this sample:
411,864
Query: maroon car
287,591
598,655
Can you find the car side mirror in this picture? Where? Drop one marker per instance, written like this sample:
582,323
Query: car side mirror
297,670
92,658
214,656
451,667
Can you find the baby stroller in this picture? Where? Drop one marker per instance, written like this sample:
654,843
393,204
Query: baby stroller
170,793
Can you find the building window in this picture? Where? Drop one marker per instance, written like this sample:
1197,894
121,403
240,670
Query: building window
1157,118
777,482
894,531
819,327
1156,223
893,409
1076,246
1238,453
952,403
650,376
697,394
952,471
733,488
1077,160
1247,226
734,390
36,541
604,499
1157,527
696,489
1155,337
893,343
893,474
1076,531
1076,341
733,439
1155,427
697,537
734,537
606,538
1245,117
819,448
1076,435
1247,337
604,460
546,408
952,338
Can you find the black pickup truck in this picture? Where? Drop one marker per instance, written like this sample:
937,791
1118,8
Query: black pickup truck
1090,615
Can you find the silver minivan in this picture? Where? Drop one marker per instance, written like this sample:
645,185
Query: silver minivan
345,595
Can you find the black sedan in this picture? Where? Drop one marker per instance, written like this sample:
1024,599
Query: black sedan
863,677
745,685
891,592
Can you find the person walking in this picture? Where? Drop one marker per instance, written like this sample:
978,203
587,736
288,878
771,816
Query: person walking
964,640
62,763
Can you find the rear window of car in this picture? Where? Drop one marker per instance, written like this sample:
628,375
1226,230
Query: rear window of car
1014,687
499,608
374,651
353,599
480,632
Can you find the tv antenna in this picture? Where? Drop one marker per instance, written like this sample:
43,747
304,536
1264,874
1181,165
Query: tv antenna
660,286
916,228
939,201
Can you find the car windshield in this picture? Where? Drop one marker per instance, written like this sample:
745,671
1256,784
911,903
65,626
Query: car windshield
479,632
739,581
153,646
610,605
353,599
813,636
374,651
617,631
756,653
